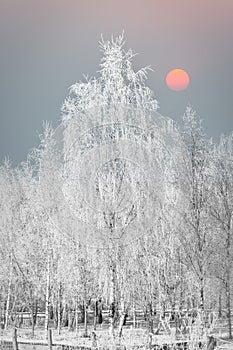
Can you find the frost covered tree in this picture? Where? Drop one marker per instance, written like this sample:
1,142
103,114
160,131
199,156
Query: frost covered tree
29,256
9,207
22,239
196,231
117,152
222,213
49,168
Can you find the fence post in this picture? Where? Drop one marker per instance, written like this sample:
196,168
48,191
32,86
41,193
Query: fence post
50,340
14,339
93,340
150,341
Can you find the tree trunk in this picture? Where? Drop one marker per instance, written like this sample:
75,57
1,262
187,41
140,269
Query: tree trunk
55,316
12,314
8,297
122,317
202,299
50,340
95,314
70,320
36,311
150,318
1,314
85,320
64,316
202,296
220,305
82,313
112,301
14,339
134,316
122,322
21,318
47,298
59,310
76,317
228,284
32,321
100,315
33,312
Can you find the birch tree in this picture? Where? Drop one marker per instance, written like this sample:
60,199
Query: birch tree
49,169
222,213
196,234
116,149
29,255
10,221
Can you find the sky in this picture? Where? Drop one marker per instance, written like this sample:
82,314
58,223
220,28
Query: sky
47,45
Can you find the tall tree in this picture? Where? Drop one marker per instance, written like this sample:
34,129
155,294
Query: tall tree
222,213
196,234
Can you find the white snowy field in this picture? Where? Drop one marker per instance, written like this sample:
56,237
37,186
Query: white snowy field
130,338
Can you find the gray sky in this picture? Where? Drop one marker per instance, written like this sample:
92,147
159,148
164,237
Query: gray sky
46,46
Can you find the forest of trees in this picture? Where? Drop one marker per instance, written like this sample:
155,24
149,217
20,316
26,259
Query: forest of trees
117,208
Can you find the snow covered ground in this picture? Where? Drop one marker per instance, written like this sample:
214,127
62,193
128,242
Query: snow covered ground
131,337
